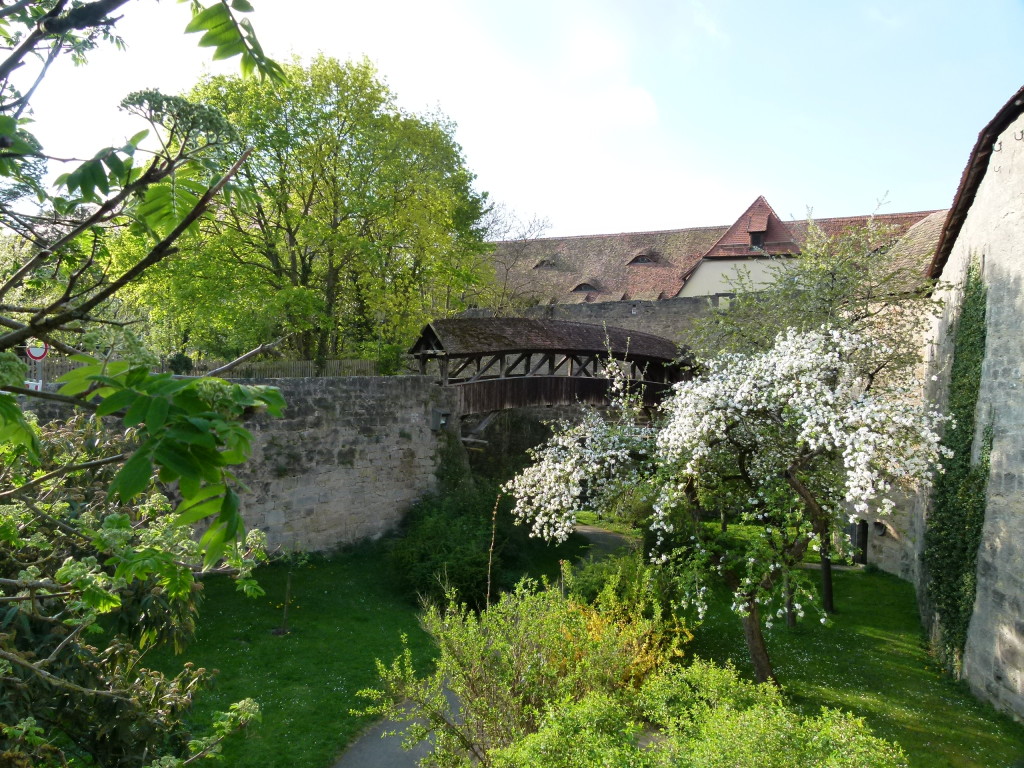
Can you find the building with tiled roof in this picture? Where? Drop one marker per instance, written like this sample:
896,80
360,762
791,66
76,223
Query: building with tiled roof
652,266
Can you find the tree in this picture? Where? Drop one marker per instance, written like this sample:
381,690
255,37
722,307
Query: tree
95,565
513,286
784,438
862,280
362,227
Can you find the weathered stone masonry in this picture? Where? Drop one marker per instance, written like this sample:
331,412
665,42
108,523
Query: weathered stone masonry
346,461
992,233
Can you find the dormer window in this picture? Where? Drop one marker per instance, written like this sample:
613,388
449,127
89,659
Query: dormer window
545,264
643,258
757,239
584,288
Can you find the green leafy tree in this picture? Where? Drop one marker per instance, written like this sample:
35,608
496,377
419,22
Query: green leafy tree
96,565
363,224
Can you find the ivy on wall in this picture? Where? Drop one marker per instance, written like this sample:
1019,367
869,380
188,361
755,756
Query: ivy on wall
958,510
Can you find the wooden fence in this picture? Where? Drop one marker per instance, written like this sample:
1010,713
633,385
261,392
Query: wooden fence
55,366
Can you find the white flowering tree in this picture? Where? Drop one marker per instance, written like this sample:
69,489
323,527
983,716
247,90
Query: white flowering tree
791,442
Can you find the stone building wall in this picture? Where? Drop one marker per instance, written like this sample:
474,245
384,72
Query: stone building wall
993,232
346,461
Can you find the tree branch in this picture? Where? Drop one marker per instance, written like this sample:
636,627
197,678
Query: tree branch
251,353
62,471
52,397
160,251
59,682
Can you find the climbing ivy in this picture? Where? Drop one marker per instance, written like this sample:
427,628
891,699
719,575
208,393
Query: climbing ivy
958,511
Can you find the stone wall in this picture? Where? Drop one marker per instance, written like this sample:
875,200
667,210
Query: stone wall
994,657
346,461
992,232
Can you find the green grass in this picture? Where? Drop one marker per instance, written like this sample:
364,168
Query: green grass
871,660
345,613
626,528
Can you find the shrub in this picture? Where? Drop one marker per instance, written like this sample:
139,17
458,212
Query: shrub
715,719
445,546
511,663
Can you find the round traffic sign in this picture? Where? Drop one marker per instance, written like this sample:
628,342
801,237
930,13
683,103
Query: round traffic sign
37,352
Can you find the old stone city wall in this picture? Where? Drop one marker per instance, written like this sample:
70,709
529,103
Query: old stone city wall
993,662
346,461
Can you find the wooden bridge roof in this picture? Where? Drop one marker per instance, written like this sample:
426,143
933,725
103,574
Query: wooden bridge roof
473,336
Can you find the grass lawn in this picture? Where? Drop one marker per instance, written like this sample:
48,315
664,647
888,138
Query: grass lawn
345,613
871,659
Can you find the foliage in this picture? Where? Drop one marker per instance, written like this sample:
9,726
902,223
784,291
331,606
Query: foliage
870,660
864,280
783,438
446,545
958,504
715,719
506,665
95,568
89,582
362,226
545,680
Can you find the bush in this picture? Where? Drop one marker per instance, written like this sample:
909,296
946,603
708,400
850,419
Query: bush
445,546
595,731
511,663
715,719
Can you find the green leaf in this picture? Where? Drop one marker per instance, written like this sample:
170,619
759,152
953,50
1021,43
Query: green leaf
189,486
156,415
177,459
117,167
209,17
137,412
218,36
120,399
134,477
242,5
135,140
198,511
230,49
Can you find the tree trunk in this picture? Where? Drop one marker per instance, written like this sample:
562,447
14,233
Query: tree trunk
755,644
790,612
827,601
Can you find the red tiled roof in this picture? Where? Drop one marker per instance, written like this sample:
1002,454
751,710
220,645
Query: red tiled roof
549,269
758,218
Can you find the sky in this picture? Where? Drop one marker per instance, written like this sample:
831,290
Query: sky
602,116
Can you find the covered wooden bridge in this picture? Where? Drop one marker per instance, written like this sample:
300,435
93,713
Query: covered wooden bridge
499,363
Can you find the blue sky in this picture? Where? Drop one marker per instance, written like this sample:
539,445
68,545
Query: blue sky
610,116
